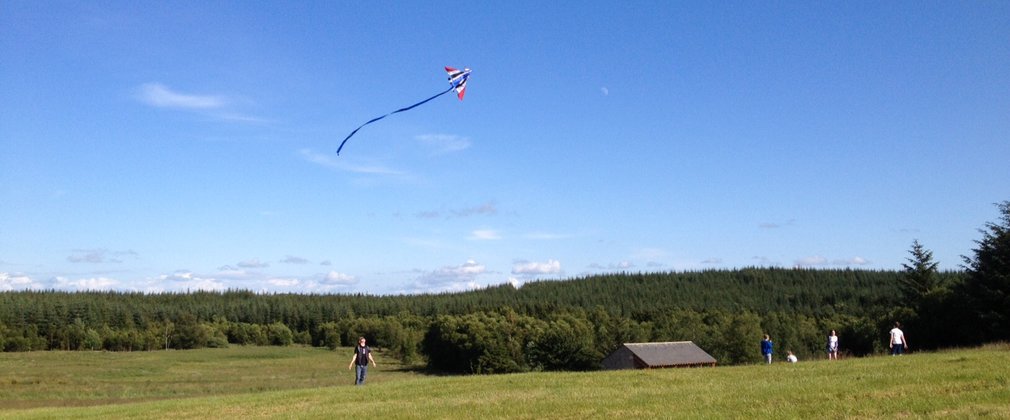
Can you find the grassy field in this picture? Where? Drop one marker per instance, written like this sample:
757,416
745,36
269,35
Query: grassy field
244,382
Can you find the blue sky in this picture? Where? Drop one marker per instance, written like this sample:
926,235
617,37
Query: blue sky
172,146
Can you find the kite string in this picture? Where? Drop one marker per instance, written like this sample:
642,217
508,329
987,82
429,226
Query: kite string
391,113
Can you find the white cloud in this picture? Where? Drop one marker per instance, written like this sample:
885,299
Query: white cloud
534,268
94,283
515,282
818,260
156,94
764,261
444,143
851,261
9,282
278,282
525,271
815,260
451,278
485,235
339,279
319,283
187,280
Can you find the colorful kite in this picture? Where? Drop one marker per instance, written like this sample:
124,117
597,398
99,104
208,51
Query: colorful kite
457,82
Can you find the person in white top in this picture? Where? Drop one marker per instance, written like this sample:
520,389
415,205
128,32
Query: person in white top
899,343
791,358
833,346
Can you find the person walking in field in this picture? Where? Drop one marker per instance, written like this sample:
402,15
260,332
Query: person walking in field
833,346
766,349
899,343
362,355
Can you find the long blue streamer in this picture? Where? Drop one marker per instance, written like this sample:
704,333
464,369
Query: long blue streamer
391,113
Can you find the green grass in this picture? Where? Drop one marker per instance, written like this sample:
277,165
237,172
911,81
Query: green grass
244,382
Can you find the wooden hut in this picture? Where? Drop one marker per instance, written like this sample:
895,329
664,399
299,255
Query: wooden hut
658,355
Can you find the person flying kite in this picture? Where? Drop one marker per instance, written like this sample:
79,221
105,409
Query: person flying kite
457,82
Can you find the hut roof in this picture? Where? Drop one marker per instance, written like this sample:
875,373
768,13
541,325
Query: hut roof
676,353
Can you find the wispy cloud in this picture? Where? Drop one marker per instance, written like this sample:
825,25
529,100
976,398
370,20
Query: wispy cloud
851,261
811,261
333,162
444,143
219,107
291,259
487,209
545,236
764,261
99,256
187,280
159,95
253,263
818,261
618,266
776,225
485,235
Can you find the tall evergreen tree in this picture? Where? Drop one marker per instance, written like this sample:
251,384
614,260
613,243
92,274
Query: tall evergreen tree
920,276
987,286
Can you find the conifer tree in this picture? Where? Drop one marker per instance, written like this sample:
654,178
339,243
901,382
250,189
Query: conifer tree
920,276
987,286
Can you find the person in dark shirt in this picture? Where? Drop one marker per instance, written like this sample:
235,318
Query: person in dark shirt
362,355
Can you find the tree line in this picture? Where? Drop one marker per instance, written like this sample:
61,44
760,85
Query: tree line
555,325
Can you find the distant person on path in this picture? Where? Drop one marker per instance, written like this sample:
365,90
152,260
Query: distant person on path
362,355
833,346
766,349
899,343
791,358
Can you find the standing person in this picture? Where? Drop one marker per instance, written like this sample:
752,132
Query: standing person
833,346
362,355
899,343
766,349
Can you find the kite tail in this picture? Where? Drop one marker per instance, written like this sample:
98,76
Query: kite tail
391,113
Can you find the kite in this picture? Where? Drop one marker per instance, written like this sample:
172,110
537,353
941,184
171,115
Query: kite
457,82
